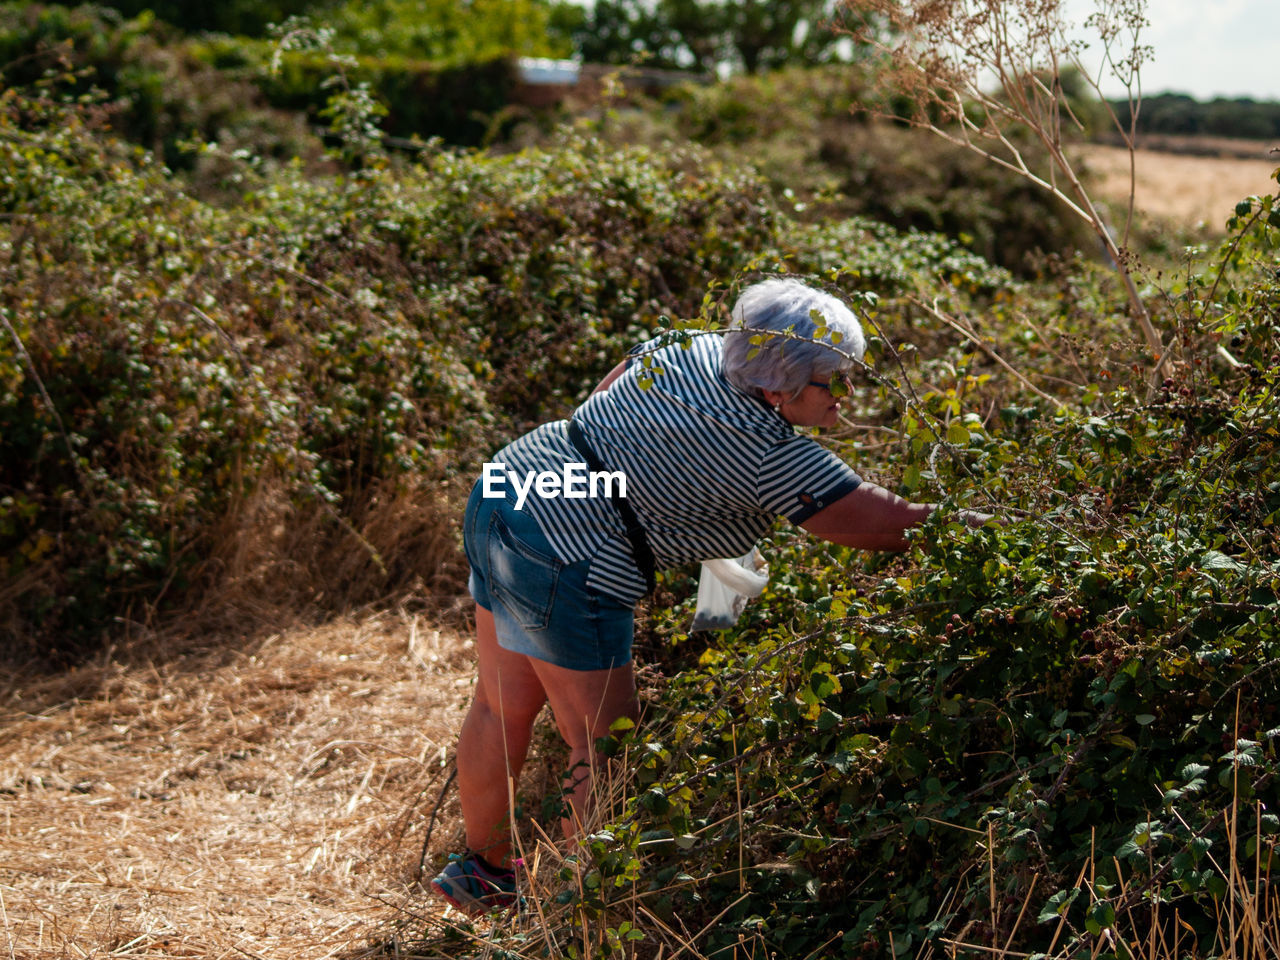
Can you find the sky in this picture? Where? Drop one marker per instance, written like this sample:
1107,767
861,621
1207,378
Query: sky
1207,48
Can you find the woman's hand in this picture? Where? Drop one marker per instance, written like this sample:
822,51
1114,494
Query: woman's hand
975,519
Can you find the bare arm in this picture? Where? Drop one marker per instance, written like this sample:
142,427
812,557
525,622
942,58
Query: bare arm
869,518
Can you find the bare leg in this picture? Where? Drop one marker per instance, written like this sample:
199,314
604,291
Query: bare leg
494,740
586,703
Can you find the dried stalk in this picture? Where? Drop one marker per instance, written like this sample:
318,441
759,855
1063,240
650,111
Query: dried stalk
940,54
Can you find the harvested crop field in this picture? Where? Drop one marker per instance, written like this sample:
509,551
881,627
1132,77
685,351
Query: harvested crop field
1186,188
264,802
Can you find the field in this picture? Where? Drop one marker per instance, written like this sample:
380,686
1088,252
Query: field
1188,189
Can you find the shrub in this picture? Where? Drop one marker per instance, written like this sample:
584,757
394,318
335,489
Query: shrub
814,135
176,381
447,32
1055,737
190,388
155,91
455,102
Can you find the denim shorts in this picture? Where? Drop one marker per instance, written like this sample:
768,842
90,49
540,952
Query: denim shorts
541,606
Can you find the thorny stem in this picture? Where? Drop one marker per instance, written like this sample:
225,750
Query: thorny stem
976,340
1235,244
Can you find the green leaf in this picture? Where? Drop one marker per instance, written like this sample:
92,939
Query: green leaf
1101,917
828,719
1058,905
1213,560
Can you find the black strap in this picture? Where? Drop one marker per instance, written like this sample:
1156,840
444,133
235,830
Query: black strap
640,549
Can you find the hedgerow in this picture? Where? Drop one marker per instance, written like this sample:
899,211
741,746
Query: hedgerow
189,385
1051,737
810,133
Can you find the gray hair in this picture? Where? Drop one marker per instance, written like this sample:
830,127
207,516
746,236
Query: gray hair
781,363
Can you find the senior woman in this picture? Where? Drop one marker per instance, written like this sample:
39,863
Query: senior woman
710,458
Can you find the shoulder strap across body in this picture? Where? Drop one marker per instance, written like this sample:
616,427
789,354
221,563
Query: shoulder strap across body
640,549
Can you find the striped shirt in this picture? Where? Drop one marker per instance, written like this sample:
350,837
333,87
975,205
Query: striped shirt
708,468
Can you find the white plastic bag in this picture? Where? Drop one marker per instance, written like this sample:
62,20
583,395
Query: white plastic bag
724,588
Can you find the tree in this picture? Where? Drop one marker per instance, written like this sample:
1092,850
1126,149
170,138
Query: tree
447,30
244,17
772,33
622,31
747,35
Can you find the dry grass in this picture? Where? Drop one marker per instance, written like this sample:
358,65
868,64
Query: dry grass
269,801
1192,191
272,800
1248,918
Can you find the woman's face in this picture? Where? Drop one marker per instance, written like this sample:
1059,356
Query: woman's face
817,405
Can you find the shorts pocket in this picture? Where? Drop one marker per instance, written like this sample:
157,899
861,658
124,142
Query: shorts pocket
521,577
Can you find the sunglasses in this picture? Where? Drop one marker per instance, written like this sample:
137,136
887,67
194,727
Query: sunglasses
839,385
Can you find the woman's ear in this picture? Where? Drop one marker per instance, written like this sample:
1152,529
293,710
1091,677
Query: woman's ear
773,398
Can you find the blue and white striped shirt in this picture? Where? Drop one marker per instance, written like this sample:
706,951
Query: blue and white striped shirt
708,468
